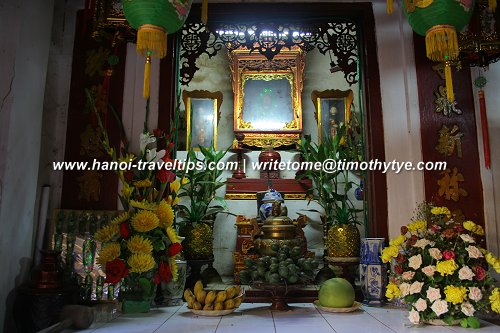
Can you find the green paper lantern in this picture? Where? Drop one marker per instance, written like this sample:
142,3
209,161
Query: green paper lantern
439,21
154,19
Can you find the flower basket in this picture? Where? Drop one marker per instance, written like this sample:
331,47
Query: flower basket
441,269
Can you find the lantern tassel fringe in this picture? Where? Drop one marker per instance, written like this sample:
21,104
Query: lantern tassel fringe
390,6
449,82
204,11
441,43
492,4
152,38
147,75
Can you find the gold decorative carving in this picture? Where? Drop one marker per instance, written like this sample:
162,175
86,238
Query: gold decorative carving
449,185
253,196
448,140
443,105
90,185
267,78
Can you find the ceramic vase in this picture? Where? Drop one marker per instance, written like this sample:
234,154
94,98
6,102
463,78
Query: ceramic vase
173,290
373,273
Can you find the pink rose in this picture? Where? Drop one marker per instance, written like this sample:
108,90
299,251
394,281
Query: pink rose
435,253
465,273
475,294
408,275
429,270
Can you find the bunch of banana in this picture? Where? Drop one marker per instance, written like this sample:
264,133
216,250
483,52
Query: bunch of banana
202,299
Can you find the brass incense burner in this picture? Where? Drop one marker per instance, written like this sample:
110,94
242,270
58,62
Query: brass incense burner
277,229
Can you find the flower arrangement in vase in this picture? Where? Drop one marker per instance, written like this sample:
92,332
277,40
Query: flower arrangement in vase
140,246
441,269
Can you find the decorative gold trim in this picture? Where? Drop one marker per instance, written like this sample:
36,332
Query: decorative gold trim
202,94
316,97
288,64
253,196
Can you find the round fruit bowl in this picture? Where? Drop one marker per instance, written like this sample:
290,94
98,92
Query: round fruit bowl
354,307
212,313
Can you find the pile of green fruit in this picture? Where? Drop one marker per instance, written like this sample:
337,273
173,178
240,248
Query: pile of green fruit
288,266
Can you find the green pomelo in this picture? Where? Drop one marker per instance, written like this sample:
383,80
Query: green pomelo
336,293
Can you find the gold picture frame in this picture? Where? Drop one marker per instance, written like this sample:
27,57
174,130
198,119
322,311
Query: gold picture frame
267,97
333,107
202,117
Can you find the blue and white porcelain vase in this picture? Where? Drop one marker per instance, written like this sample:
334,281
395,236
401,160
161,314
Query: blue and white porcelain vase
373,273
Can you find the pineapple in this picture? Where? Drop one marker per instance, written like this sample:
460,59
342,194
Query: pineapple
198,242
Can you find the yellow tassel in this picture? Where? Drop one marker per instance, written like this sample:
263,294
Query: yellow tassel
147,74
449,82
390,6
153,39
204,11
441,43
492,4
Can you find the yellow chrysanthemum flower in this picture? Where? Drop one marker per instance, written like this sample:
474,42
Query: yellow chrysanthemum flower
172,235
446,267
441,211
139,244
106,233
143,205
127,158
145,221
143,183
175,186
495,300
417,225
493,261
184,181
392,291
454,294
120,219
389,252
165,213
173,268
471,226
172,202
108,253
127,190
398,240
141,262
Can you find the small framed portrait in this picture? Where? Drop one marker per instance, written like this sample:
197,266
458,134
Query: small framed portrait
202,117
333,108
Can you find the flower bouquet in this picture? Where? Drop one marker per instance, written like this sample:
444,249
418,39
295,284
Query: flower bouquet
441,270
140,246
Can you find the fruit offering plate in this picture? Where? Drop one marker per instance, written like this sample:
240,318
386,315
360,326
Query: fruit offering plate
355,306
212,313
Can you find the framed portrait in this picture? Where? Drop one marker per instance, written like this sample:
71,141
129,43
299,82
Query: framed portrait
333,108
267,97
202,117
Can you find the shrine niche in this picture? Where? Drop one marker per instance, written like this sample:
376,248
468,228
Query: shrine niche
267,97
333,108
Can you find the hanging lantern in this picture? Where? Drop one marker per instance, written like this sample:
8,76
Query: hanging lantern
439,21
154,19
479,42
